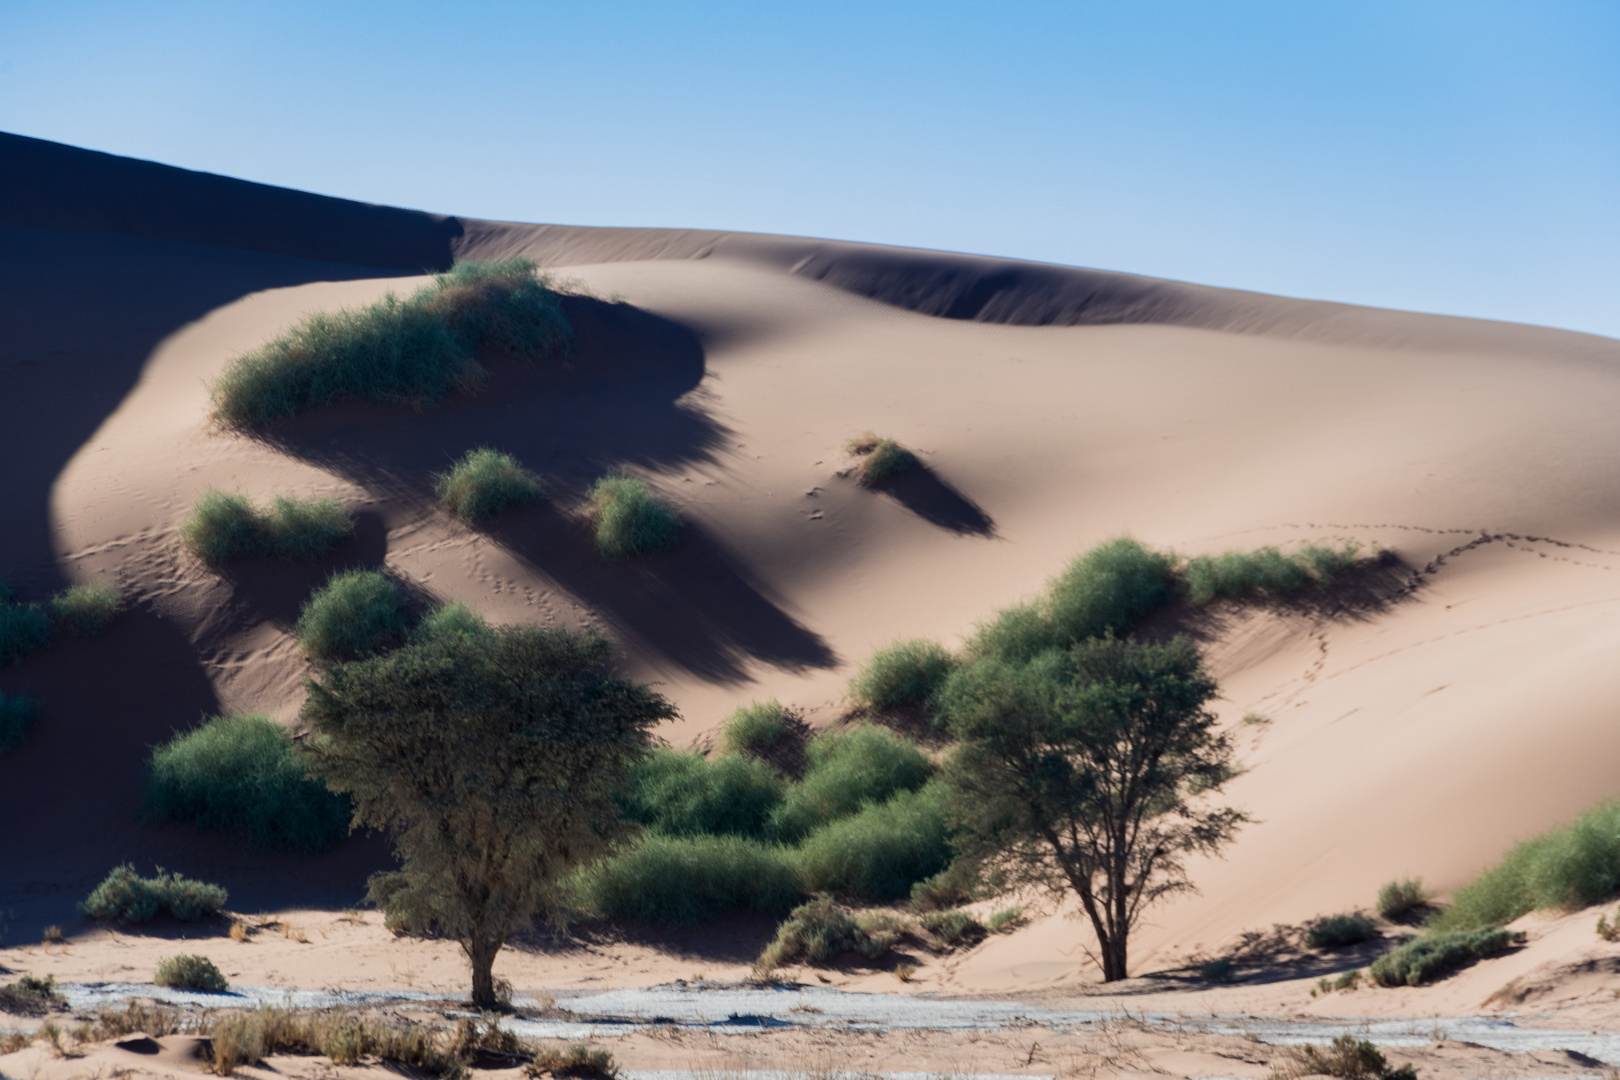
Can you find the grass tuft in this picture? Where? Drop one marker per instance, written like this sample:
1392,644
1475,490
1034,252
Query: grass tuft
86,609
881,851
1347,1058
683,880
226,525
450,621
756,729
242,774
1439,953
124,896
411,351
846,771
24,628
16,720
353,615
345,1037
881,458
1339,931
819,931
629,519
1402,899
191,972
905,673
1004,920
1265,571
578,1060
31,995
486,482
953,927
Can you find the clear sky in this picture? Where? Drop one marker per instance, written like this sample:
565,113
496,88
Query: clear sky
1459,156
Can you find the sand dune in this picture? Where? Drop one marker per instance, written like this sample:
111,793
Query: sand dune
1053,407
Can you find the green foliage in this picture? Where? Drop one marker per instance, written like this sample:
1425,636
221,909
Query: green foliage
882,850
492,761
125,896
1438,953
86,609
1104,592
31,995
191,972
1401,899
1265,571
1074,771
226,525
16,720
881,458
1565,868
955,884
240,774
685,794
1338,931
953,927
756,729
629,518
683,880
486,482
1347,1058
453,620
1004,920
820,930
846,771
24,628
412,351
353,615
905,673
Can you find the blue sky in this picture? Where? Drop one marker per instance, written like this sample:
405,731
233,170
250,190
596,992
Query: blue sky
1460,157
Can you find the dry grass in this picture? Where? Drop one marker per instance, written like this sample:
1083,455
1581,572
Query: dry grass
881,458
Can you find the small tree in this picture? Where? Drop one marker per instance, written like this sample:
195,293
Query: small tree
492,760
1086,770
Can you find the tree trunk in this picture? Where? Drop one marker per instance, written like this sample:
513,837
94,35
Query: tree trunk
482,956
1113,956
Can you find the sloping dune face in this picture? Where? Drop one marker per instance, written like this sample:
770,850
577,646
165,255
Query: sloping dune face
1052,408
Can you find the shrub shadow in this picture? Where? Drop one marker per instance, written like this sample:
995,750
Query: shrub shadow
934,499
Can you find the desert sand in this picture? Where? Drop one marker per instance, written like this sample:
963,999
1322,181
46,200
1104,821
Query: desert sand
1469,703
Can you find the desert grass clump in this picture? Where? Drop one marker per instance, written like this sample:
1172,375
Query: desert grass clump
905,673
146,1017
683,880
227,525
343,1036
844,772
756,729
629,519
1346,1058
242,774
953,927
413,351
576,1060
353,615
191,972
86,609
881,458
31,995
819,931
881,851
686,794
1401,899
1339,931
124,896
16,720
1565,869
1004,920
486,482
1265,571
1439,953
24,628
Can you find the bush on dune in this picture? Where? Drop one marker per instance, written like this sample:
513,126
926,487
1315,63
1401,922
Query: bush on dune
353,615
820,930
905,673
682,880
16,720
1401,899
226,525
756,729
1440,953
486,482
1338,931
411,351
685,794
190,972
844,772
629,519
242,774
86,609
1264,571
881,458
448,621
881,851
125,896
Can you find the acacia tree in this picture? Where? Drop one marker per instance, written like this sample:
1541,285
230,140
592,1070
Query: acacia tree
1086,771
491,758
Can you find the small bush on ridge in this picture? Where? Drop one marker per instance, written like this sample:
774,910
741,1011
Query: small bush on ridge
86,609
353,615
629,518
881,458
683,880
881,851
905,673
756,728
1400,899
1439,953
226,525
486,482
1338,931
16,720
954,927
820,930
685,794
191,972
1004,920
125,896
242,774
844,772
1238,574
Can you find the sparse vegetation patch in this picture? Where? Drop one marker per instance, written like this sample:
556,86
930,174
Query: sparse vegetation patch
1339,931
1439,953
31,995
1347,1058
124,896
1400,899
1265,571
486,482
629,519
819,931
227,525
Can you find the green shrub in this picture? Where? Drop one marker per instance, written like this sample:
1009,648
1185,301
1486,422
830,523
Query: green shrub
1265,571
353,615
1348,1058
16,719
845,771
242,774
954,927
24,628
1438,953
685,794
951,886
411,351
905,673
86,609
1565,868
190,972
1338,931
1400,899
756,728
578,1060
683,880
226,525
455,620
881,458
31,995
629,518
820,930
125,896
1004,920
486,482
881,851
